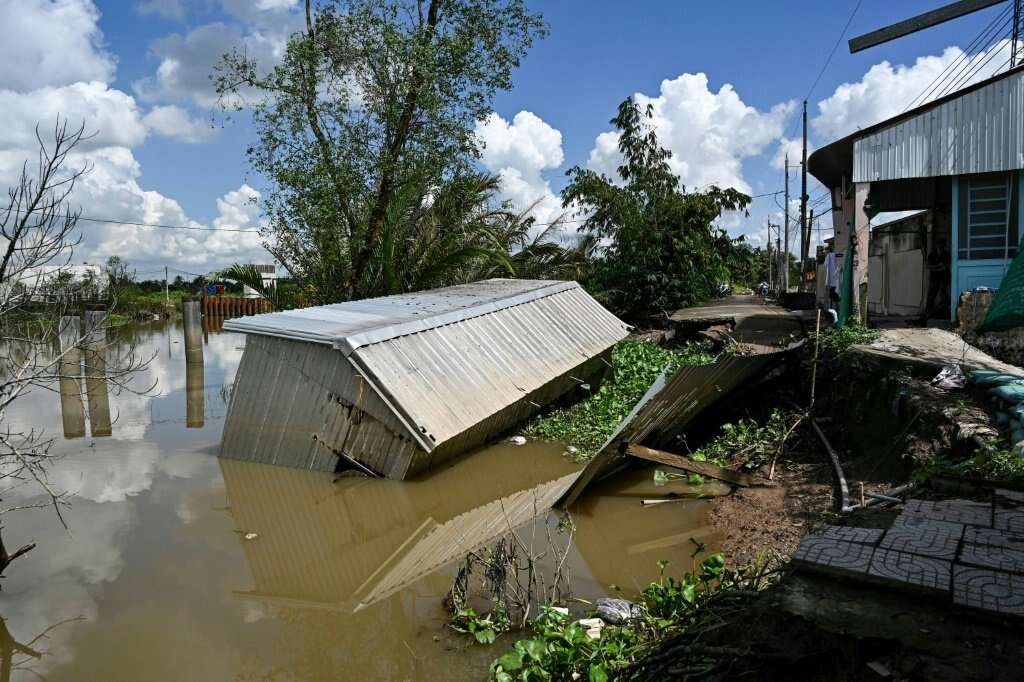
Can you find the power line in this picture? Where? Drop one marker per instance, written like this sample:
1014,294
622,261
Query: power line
941,79
828,61
130,223
164,226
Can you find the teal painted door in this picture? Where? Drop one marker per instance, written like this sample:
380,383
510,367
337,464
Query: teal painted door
986,230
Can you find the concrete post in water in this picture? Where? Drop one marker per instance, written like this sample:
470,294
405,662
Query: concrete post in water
72,410
96,372
193,322
194,372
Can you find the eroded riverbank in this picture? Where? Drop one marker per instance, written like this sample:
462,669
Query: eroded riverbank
180,565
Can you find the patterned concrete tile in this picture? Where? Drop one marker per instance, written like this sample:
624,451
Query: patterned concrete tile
1009,498
913,522
1000,558
958,511
863,536
993,537
910,570
1009,520
828,555
993,591
925,538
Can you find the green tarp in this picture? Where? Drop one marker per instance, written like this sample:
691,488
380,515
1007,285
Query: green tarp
1007,309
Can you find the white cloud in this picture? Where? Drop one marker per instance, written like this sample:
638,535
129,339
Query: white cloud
249,10
173,121
709,133
886,91
110,115
794,149
519,152
112,189
51,42
187,61
171,9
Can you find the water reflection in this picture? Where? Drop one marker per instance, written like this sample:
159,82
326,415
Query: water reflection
186,566
97,390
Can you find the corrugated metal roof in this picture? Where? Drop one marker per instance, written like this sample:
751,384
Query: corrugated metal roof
981,131
353,324
669,406
973,130
448,379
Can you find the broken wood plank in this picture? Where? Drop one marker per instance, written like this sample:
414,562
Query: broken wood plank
679,462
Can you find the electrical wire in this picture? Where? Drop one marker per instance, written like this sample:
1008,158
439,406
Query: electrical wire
975,44
828,61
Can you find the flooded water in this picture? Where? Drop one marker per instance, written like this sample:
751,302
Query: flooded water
180,565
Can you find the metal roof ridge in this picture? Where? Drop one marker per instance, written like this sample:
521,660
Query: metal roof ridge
349,344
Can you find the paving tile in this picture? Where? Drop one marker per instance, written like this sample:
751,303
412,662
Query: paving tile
828,555
863,536
910,570
958,511
988,590
993,537
999,558
1008,498
1009,520
926,538
918,522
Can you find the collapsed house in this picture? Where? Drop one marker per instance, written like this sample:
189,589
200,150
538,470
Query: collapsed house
397,384
673,401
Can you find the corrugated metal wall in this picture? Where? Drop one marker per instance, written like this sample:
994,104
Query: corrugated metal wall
295,403
979,132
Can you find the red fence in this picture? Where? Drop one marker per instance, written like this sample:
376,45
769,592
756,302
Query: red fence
233,306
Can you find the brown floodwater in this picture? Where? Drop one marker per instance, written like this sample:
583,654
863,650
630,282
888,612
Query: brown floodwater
183,566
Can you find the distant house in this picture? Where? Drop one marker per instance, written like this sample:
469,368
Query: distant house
268,273
958,157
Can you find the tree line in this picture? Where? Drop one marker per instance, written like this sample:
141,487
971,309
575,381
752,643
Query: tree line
365,132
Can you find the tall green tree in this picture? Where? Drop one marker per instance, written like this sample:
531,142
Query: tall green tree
663,250
372,107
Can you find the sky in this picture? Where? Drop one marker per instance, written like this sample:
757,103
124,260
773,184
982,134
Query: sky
726,80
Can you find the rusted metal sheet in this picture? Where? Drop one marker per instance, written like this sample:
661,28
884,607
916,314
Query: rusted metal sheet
429,375
668,407
979,132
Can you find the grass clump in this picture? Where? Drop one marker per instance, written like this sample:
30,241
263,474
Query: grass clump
559,647
991,462
636,364
837,340
749,444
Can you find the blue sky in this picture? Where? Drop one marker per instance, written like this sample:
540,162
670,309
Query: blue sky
144,62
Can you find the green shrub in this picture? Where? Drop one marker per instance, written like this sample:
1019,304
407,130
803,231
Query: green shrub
636,364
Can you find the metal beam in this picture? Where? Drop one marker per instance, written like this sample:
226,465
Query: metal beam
921,21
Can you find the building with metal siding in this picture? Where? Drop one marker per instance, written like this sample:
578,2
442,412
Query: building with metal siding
959,157
399,383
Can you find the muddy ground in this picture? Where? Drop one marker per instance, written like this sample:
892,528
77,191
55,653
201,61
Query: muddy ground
884,423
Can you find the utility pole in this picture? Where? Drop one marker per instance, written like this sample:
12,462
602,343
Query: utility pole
167,287
1015,44
804,231
769,242
784,273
